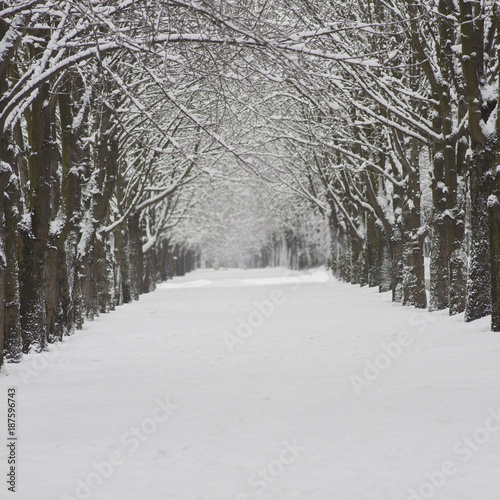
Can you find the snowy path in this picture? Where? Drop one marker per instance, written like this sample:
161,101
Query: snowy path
276,417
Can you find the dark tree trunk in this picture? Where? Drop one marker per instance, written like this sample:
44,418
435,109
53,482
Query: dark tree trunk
439,258
374,241
90,286
13,344
385,264
363,264
5,173
478,301
494,230
70,295
396,252
346,260
458,258
35,230
439,284
414,293
104,275
55,322
494,222
9,218
124,263
355,254
135,255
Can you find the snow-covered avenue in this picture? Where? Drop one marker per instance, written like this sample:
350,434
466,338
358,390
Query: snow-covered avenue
260,384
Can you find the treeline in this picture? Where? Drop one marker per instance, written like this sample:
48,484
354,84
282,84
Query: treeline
249,222
415,88
89,179
80,238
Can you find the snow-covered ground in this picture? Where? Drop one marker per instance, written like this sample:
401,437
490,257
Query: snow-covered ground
265,384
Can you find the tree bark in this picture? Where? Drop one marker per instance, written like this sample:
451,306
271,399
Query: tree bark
414,293
5,173
35,229
494,232
374,240
13,345
478,302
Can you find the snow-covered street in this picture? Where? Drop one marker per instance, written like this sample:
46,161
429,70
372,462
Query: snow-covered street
260,384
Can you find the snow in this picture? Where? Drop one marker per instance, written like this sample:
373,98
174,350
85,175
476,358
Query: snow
489,128
492,201
442,187
329,392
189,284
57,225
25,224
234,277
5,167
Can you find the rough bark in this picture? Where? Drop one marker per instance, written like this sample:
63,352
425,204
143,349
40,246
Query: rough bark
135,255
413,284
35,228
5,173
13,345
494,232
363,264
355,266
396,247
72,161
478,302
494,219
374,240
458,259
104,275
439,258
10,327
385,265
55,323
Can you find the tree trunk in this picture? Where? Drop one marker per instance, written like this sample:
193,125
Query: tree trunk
104,275
494,222
35,229
13,344
5,173
439,261
346,259
355,253
478,301
494,230
458,258
396,248
374,240
413,285
385,264
363,264
124,260
135,255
